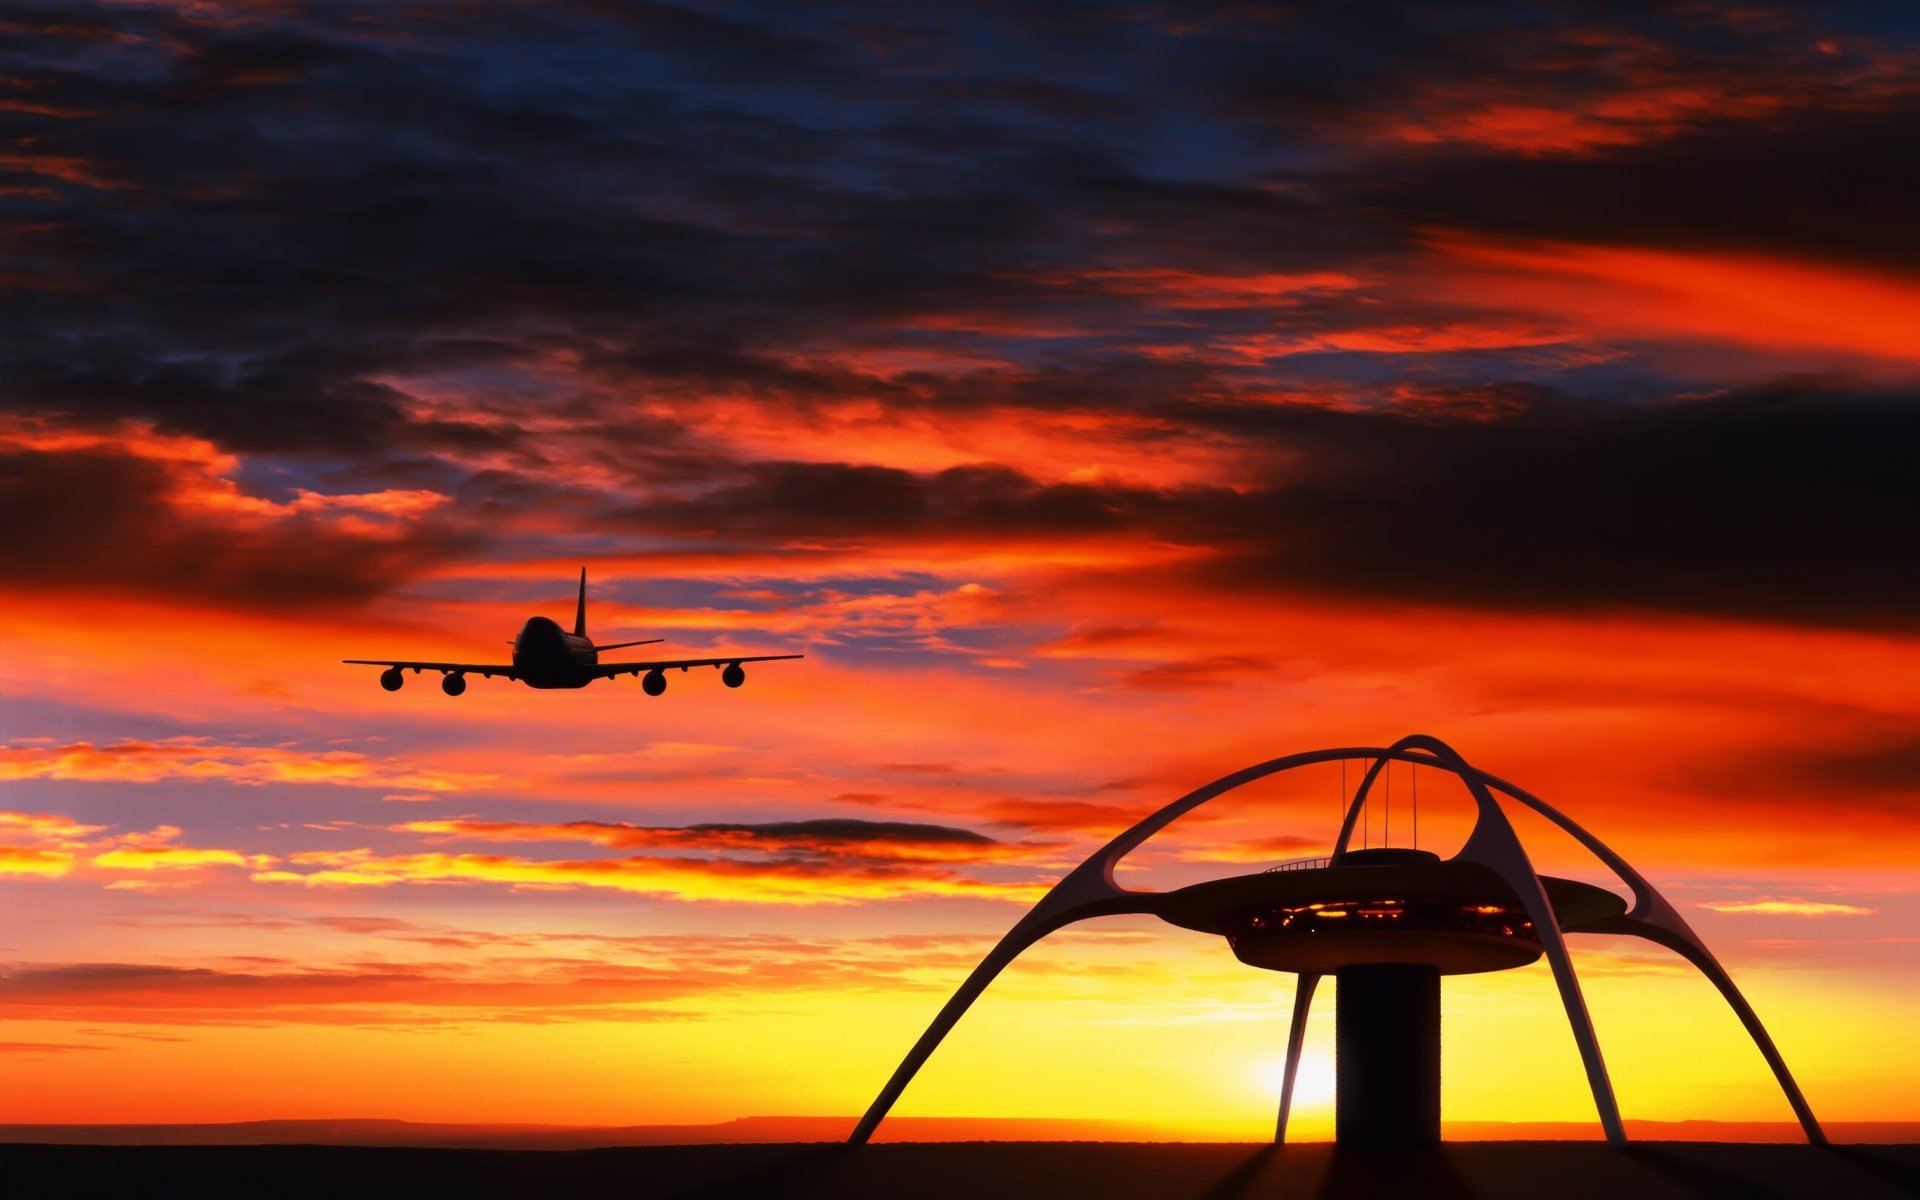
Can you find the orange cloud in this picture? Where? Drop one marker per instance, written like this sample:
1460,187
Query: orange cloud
1626,118
1283,847
1399,337
67,845
175,858
192,758
940,436
55,827
29,860
769,882
1790,908
1750,299
52,846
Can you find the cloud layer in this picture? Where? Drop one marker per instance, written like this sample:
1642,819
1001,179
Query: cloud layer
1100,398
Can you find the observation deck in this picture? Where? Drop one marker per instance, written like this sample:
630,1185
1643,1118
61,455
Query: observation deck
1381,906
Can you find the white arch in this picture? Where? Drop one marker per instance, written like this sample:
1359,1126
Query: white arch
1089,890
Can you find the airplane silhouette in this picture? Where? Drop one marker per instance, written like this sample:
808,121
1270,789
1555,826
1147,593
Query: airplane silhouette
546,656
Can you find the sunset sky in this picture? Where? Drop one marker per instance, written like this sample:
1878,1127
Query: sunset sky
1103,397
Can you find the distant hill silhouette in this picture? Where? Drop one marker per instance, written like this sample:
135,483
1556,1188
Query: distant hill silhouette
746,1130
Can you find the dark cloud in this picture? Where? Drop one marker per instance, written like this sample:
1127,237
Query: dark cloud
266,406
1813,184
260,227
849,831
108,521
1215,670
1624,74
1786,502
719,48
868,503
487,247
1880,772
354,993
31,982
795,843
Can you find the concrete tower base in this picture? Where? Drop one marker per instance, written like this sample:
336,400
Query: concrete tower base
1388,1055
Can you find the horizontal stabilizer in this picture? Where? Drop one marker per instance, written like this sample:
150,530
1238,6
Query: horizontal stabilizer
624,645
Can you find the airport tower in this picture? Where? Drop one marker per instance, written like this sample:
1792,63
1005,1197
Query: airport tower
1386,924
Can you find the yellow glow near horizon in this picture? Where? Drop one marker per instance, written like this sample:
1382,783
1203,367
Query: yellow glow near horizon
1313,1083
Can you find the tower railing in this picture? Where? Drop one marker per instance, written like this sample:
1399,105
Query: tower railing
1299,864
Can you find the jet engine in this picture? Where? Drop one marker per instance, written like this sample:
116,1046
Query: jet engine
653,683
453,683
734,675
391,679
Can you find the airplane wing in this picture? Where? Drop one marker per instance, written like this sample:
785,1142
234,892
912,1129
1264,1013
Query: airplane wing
613,670
484,670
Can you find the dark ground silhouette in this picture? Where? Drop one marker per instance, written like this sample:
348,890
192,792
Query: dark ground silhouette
977,1170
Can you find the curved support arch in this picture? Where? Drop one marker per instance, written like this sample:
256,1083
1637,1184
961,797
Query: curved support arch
1493,843
1010,947
1707,965
1296,1037
1654,918
1090,890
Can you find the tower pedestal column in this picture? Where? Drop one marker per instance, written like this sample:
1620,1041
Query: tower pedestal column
1388,1055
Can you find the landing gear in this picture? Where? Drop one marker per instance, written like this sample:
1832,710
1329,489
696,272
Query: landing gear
391,679
453,684
734,675
653,683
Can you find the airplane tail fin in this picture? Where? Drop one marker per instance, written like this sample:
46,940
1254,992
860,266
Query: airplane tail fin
580,611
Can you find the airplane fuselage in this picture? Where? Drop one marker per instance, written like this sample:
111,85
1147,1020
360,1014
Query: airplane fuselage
547,656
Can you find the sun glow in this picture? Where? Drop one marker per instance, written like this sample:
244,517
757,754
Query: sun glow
1313,1085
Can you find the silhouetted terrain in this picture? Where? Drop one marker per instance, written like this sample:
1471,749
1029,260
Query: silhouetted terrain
792,1129
975,1170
